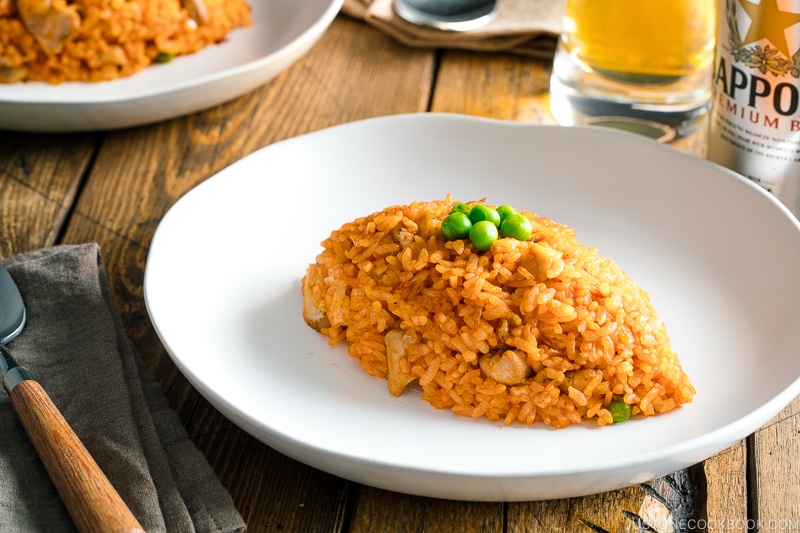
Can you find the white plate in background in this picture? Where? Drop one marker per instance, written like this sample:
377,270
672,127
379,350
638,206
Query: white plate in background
281,33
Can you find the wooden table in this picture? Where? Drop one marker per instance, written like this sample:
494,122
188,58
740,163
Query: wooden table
114,187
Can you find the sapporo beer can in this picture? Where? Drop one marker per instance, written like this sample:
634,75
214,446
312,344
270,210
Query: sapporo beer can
754,127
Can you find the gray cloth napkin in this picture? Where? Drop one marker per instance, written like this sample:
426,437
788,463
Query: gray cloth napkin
526,27
75,346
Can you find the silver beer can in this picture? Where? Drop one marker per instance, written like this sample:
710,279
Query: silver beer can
754,127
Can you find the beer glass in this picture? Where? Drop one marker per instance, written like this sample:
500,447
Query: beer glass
643,65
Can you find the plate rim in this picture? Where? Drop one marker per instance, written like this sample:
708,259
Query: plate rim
728,433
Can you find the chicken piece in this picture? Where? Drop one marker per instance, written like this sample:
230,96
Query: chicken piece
197,10
113,55
428,224
312,314
396,342
544,262
401,235
50,25
508,367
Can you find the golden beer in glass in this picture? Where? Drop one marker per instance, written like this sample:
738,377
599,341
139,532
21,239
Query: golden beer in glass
637,60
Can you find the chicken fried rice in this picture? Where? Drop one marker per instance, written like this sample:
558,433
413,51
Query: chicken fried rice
542,329
97,40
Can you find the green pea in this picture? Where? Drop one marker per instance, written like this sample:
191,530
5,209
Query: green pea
461,208
504,211
456,226
620,411
163,57
517,226
483,234
483,212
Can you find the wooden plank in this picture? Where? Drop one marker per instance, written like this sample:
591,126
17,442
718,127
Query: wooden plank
709,496
776,449
500,86
665,505
380,510
39,178
726,497
272,491
354,72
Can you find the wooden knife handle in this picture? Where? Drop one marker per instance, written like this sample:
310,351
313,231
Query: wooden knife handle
92,502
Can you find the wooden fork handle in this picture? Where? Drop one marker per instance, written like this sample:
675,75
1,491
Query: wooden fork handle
92,502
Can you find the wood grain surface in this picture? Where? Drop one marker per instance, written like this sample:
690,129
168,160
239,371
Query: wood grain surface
114,187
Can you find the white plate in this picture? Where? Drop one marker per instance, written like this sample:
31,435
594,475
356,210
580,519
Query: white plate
717,254
282,31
